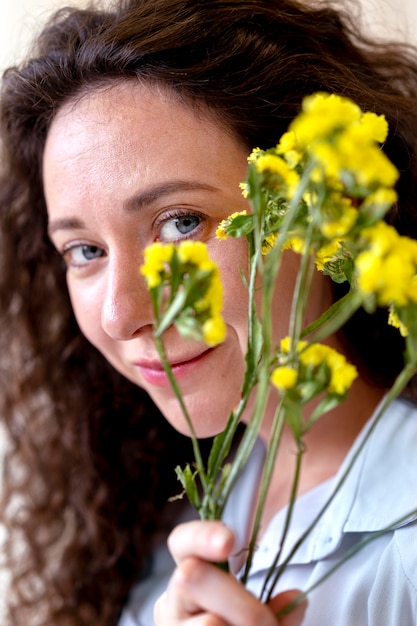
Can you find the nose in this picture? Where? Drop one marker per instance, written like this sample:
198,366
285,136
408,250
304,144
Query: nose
126,307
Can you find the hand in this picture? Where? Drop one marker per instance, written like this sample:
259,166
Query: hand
201,594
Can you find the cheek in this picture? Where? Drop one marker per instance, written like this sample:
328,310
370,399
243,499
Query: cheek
87,310
232,258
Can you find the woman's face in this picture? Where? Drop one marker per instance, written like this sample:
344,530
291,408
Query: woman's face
126,166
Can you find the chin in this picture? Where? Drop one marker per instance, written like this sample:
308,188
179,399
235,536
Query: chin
205,422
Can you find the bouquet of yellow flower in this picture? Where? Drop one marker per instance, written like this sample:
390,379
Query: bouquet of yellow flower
322,192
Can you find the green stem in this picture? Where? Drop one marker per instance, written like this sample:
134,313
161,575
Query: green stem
247,442
267,473
401,381
301,294
288,518
348,554
269,273
334,318
294,206
168,370
169,316
251,363
263,385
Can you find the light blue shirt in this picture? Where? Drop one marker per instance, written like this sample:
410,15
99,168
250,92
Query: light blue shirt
375,587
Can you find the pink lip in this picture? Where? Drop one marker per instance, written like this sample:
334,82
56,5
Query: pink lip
153,372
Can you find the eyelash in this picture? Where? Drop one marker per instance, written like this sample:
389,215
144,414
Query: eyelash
159,224
177,214
67,250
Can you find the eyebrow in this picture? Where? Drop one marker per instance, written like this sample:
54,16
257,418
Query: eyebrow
145,198
66,223
137,202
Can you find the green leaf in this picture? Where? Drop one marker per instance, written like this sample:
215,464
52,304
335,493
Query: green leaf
187,479
294,417
253,355
335,316
219,451
328,403
189,327
241,226
312,388
171,313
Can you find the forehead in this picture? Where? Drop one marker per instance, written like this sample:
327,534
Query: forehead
119,138
133,105
129,114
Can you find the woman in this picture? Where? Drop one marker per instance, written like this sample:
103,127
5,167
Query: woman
128,126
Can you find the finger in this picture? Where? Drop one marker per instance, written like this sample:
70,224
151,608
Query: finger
210,540
281,601
164,615
200,587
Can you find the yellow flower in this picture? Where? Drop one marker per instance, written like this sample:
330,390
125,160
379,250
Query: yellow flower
381,197
287,142
244,187
387,268
296,244
310,197
395,321
340,226
314,354
213,299
327,253
374,126
268,243
342,139
369,267
156,256
254,155
276,165
221,231
365,159
284,377
330,159
273,163
195,252
342,373
214,331
321,115
288,147
285,345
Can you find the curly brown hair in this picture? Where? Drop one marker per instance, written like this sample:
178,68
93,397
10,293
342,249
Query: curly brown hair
88,470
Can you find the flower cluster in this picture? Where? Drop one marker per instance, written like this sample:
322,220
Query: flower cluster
306,372
322,192
232,222
387,268
312,362
325,181
186,289
343,142
386,273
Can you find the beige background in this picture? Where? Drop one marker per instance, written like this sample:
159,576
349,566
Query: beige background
20,19
393,18
19,22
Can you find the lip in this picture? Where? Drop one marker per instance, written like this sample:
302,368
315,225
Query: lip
154,373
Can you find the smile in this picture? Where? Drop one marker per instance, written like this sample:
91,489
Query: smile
154,373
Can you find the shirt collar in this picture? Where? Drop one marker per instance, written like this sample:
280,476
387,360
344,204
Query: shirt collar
378,492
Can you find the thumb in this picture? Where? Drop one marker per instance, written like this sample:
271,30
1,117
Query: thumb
281,601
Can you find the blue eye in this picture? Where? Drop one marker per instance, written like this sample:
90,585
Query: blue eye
179,226
83,253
